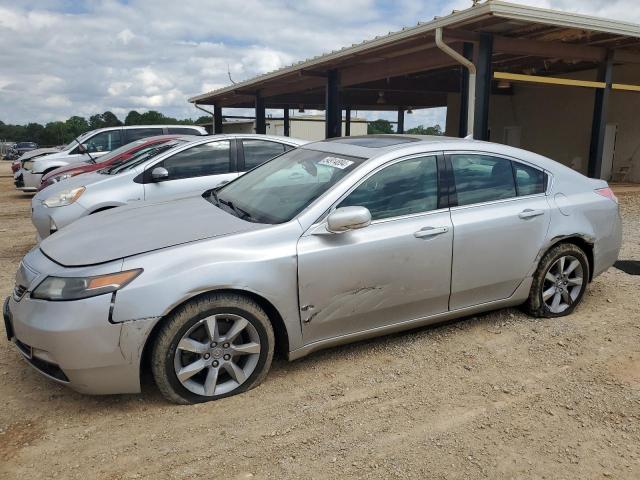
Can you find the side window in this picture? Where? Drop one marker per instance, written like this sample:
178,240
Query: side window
104,141
404,188
207,159
481,178
132,134
529,180
256,152
184,131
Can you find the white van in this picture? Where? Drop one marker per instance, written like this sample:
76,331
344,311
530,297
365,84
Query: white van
89,146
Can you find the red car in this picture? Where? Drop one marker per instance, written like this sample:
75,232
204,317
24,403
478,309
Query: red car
116,156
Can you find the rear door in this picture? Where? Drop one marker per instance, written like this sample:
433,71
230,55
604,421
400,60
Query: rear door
192,171
500,217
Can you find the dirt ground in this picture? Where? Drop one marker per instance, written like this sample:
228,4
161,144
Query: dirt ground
495,396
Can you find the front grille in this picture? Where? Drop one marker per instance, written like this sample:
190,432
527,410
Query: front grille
19,291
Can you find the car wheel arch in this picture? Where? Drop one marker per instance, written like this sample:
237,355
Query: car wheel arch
585,243
103,208
277,322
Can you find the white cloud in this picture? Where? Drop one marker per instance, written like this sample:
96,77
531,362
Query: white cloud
140,54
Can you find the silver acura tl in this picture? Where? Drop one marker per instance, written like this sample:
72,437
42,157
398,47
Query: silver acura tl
329,243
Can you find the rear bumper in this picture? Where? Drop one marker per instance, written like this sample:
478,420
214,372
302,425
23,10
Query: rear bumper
607,248
73,343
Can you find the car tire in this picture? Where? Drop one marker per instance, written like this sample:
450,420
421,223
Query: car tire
559,282
206,333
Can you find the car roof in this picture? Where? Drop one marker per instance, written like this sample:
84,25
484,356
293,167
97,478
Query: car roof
275,138
369,146
373,146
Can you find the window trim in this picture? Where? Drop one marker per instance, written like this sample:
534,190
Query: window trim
241,163
145,176
441,196
453,196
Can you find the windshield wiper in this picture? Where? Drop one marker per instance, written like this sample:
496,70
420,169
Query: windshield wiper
242,214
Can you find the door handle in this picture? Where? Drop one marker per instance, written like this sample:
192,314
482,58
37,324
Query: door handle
528,213
430,232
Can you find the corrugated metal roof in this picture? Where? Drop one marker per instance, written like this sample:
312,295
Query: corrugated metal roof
491,8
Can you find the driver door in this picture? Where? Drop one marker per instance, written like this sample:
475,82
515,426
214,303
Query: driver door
395,270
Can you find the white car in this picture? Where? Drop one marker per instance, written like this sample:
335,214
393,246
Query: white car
88,146
183,167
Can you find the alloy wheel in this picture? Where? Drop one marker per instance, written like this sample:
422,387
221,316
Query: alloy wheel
563,283
217,354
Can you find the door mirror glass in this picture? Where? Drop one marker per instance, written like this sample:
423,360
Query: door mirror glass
82,148
159,173
348,218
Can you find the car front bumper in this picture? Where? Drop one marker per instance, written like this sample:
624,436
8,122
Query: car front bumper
48,220
74,343
26,180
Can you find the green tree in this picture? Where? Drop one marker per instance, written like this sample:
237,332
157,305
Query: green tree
75,126
110,119
422,130
132,118
379,126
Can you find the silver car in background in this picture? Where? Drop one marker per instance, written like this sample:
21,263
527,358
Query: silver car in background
329,243
185,166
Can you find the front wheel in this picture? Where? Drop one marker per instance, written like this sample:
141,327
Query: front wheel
216,346
559,282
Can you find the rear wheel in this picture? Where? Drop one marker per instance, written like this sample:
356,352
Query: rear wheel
217,346
559,282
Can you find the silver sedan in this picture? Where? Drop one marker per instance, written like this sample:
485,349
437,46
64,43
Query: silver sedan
185,166
329,243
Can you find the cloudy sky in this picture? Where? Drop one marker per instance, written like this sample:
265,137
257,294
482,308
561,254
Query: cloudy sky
65,57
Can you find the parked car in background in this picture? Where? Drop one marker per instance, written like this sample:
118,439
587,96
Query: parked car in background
91,146
177,168
332,242
24,147
115,156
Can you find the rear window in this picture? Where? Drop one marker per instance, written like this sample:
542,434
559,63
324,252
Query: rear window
131,134
529,180
482,178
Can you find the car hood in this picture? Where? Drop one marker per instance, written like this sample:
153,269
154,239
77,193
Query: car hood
138,228
38,152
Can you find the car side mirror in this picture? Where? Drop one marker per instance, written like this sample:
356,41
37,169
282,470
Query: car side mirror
159,173
348,218
82,148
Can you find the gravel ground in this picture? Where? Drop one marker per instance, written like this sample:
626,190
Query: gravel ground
494,396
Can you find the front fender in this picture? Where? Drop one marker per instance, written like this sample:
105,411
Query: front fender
262,262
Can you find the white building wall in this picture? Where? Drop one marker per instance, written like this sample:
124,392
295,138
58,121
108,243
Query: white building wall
304,130
555,121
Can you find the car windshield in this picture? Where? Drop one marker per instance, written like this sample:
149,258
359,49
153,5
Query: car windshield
76,141
280,189
139,158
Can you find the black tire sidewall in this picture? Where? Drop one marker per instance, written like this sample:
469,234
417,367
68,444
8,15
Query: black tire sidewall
169,370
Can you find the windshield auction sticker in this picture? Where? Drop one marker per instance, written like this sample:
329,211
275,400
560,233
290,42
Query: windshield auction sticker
335,162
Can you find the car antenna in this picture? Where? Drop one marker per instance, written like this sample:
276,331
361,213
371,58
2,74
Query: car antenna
86,151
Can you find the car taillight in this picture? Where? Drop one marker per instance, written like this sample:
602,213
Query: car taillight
607,192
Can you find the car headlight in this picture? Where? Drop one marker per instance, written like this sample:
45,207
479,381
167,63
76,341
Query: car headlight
65,197
59,178
75,288
28,165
